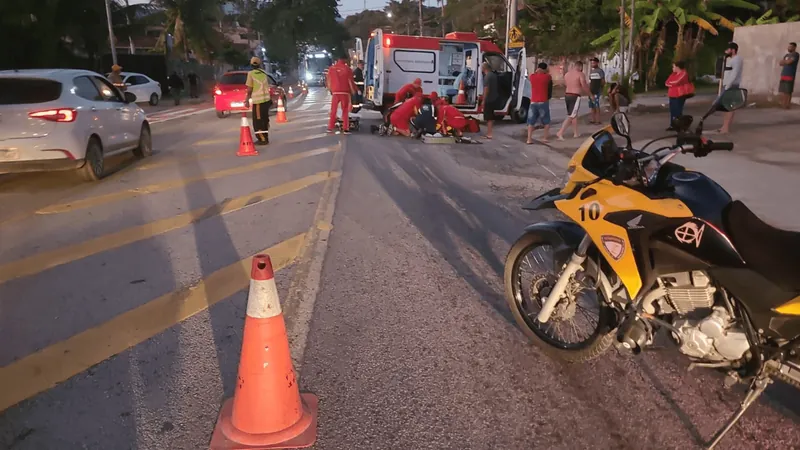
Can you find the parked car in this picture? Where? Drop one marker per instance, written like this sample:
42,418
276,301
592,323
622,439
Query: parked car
62,119
143,87
230,93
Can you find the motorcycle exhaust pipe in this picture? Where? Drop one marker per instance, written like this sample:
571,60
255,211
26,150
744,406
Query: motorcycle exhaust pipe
790,372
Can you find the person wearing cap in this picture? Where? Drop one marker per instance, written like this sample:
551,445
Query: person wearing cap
597,80
731,78
408,90
339,80
258,95
116,77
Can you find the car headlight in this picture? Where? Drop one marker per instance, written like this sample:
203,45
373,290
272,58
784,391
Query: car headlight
309,77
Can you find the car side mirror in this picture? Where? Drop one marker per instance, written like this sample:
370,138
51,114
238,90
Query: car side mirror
130,98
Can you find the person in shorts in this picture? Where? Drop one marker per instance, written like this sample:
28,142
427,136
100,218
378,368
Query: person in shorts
788,73
541,93
491,95
575,83
731,78
597,80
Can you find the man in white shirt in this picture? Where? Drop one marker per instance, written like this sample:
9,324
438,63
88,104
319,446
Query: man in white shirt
731,78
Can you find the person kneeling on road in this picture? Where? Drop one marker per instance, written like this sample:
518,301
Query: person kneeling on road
425,120
258,94
401,117
451,121
408,90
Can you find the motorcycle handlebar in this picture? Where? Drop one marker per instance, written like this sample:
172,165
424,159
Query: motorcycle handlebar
711,146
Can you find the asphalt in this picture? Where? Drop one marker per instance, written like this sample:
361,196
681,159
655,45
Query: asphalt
391,283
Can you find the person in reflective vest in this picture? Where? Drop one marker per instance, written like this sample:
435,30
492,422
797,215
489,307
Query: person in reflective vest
258,95
339,82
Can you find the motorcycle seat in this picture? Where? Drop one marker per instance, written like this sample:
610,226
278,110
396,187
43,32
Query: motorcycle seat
770,251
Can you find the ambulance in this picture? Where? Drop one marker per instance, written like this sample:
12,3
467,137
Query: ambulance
393,60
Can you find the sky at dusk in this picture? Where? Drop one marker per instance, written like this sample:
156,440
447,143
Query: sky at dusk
347,7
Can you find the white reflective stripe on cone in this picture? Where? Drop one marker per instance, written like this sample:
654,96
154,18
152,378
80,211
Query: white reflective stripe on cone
262,300
245,122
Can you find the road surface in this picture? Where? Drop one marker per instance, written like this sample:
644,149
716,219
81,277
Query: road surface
123,301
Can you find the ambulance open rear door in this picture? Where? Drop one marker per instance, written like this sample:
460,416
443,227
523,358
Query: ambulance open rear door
377,78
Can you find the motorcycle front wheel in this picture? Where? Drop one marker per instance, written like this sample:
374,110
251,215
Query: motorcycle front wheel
530,273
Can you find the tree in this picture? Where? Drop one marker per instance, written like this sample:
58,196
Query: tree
361,25
766,18
192,24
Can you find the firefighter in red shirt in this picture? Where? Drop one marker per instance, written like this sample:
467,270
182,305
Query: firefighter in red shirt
408,91
450,119
401,117
339,82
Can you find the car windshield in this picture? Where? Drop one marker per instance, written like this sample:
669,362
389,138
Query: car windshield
22,91
233,78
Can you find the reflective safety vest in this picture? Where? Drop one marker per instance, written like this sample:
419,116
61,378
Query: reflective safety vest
258,80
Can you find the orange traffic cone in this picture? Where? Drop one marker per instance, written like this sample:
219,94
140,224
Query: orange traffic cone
305,89
246,146
291,92
281,117
267,409
461,98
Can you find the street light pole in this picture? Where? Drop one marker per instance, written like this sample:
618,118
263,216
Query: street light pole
111,33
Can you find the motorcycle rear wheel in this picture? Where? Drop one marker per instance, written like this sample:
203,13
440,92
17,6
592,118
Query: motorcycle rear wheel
591,347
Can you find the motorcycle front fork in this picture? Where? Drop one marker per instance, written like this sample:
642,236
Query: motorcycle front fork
572,267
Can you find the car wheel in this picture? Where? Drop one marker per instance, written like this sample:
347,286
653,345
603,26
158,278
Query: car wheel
153,99
145,147
221,115
93,169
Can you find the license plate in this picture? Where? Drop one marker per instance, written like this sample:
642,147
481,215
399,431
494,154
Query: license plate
7,154
237,105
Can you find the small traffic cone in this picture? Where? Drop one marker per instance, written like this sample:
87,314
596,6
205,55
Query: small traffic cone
291,92
246,146
461,98
267,409
281,117
305,89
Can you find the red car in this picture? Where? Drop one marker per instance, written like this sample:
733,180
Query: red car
230,92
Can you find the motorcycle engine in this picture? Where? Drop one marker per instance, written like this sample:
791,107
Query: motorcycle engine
706,331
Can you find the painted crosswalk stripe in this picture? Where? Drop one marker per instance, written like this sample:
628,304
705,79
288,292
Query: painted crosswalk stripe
59,362
40,262
174,184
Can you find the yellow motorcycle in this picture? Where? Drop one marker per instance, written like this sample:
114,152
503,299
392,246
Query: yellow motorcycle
653,246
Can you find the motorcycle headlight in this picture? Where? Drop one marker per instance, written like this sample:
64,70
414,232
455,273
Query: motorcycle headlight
567,175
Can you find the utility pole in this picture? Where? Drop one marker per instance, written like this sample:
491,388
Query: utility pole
128,20
511,22
420,17
442,2
111,32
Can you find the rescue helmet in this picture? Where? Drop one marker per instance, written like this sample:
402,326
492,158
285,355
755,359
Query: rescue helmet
255,61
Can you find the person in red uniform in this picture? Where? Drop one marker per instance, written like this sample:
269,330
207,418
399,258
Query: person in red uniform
451,120
408,91
339,81
401,117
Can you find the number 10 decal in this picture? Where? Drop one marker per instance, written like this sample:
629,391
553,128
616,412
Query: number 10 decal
592,210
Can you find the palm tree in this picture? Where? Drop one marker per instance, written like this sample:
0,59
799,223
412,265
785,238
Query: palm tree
192,25
766,18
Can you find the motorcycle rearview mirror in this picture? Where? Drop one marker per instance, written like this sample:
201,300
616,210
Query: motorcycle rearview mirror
622,126
730,100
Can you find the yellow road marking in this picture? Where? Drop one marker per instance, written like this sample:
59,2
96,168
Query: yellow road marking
215,154
168,185
42,261
59,362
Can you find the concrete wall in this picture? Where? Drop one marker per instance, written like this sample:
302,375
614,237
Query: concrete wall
762,47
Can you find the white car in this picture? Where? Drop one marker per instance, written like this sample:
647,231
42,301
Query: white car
143,87
61,119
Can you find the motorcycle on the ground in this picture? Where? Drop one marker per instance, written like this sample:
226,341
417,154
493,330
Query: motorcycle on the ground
653,246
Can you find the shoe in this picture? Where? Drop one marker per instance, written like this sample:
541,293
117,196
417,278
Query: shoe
346,132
